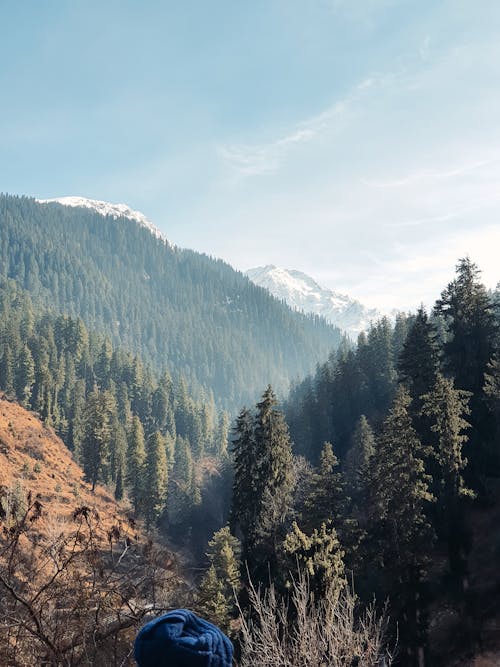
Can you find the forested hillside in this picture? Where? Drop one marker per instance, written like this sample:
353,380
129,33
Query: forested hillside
182,311
390,476
139,433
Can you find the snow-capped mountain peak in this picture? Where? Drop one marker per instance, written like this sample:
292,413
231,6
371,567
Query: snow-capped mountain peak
302,292
107,209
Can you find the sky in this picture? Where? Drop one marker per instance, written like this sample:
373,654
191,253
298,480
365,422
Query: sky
355,140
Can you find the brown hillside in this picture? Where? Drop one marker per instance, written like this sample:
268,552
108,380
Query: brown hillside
34,457
77,576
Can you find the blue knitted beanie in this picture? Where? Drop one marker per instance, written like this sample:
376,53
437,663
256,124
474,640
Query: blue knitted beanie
182,639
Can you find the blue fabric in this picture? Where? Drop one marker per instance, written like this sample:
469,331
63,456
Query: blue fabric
182,639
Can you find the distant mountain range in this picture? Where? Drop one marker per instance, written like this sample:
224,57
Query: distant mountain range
303,293
297,289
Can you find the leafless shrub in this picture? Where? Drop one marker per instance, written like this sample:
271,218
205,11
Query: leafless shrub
301,631
74,593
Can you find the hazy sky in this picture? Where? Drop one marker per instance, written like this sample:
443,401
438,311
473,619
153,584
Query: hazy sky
355,140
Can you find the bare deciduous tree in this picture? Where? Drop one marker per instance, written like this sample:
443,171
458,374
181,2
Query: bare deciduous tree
302,631
75,596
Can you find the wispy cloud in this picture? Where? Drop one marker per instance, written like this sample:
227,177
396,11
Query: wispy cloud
453,214
432,176
267,158
264,158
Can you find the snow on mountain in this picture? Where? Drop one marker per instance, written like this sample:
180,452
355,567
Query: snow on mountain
301,292
113,210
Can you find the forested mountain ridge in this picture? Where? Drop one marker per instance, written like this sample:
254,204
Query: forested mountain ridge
183,311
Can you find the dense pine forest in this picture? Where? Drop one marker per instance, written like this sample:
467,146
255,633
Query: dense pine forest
363,485
181,311
393,455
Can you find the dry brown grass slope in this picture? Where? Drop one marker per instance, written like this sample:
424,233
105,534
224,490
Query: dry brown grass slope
77,575
33,456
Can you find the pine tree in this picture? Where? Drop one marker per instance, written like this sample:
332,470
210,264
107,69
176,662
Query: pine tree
222,435
183,492
120,485
221,583
159,408
224,552
244,511
212,602
327,495
156,478
263,483
135,465
7,371
471,340
123,404
492,394
25,375
379,365
102,366
108,454
359,466
468,312
76,418
400,332
95,437
446,407
328,503
119,458
320,555
419,361
399,524
273,484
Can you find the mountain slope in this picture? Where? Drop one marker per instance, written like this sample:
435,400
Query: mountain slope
77,575
179,309
301,292
33,457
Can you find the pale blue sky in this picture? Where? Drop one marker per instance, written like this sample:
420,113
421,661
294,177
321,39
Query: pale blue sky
356,140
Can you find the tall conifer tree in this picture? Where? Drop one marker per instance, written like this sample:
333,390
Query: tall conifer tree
25,375
135,464
419,361
447,407
273,483
156,478
244,510
359,467
472,332
96,437
400,524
